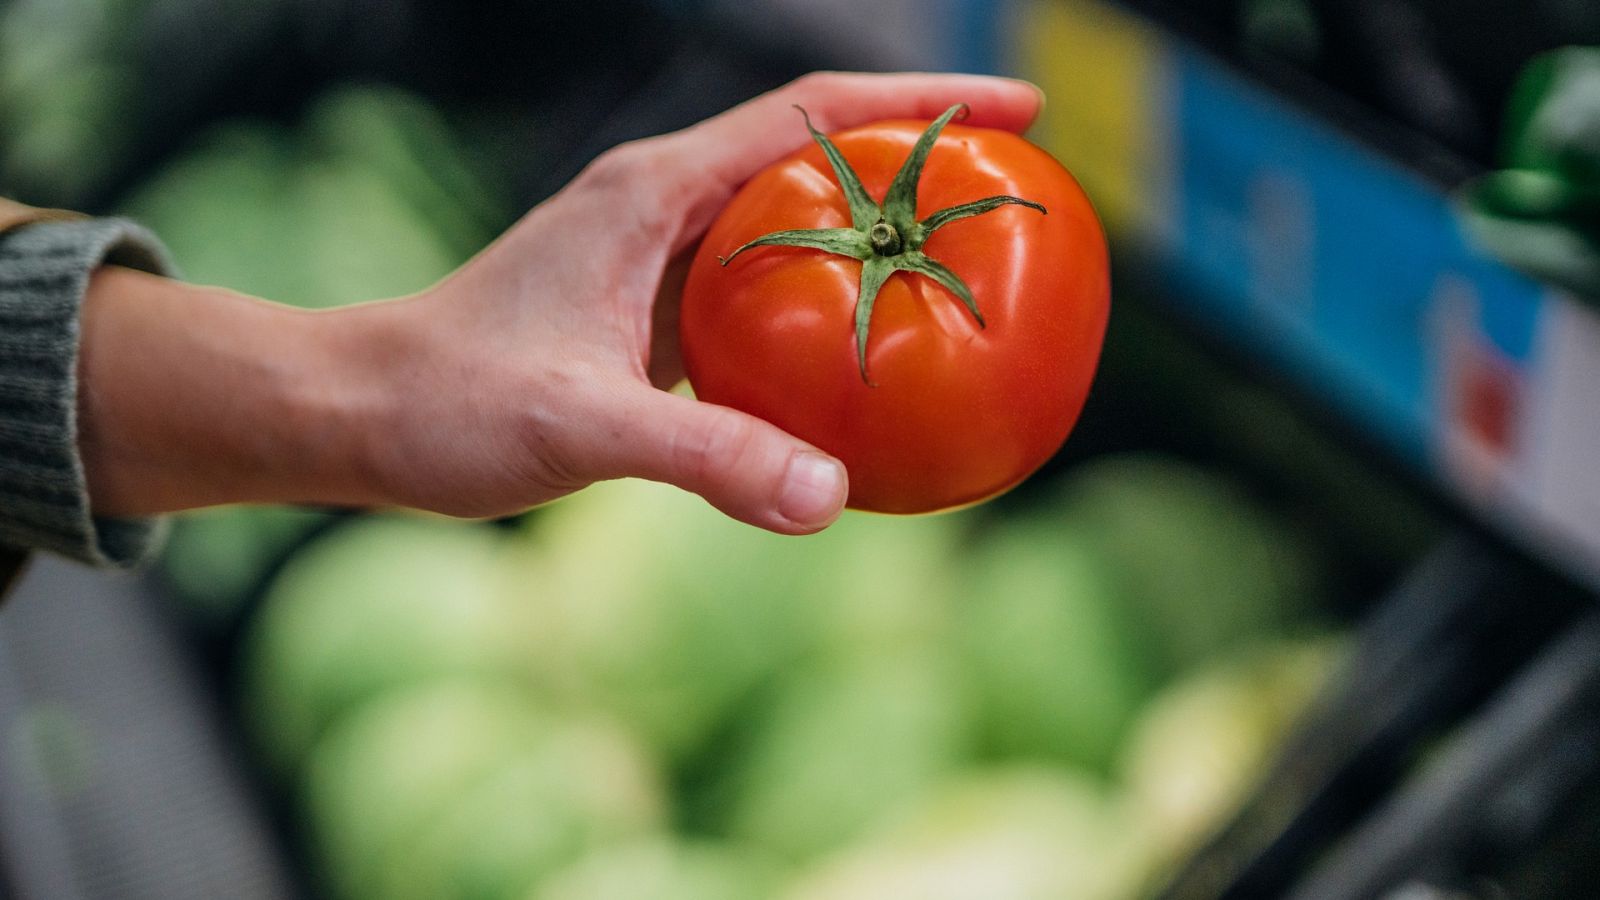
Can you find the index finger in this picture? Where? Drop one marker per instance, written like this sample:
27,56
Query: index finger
720,154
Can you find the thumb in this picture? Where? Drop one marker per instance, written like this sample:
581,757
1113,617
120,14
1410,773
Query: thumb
745,467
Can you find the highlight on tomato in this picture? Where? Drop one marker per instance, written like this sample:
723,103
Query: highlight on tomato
939,342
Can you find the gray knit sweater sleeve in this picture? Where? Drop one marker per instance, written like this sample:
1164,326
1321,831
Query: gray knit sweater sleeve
44,504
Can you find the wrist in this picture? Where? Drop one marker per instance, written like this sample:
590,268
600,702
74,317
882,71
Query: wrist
363,377
193,396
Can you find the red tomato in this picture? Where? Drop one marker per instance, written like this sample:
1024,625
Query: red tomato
938,410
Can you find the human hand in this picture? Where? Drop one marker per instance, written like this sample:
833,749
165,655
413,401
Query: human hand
537,368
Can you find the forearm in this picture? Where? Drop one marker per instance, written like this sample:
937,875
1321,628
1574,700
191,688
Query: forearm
193,396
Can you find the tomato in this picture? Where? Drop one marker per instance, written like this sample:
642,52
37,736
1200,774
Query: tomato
932,400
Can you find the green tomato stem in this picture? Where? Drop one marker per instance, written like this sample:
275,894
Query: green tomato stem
886,237
885,240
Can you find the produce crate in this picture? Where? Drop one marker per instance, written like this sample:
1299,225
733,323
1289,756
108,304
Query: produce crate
1309,229
1320,239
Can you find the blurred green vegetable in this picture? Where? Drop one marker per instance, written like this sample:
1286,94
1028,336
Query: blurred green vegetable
368,198
1202,745
229,211
401,138
877,703
584,785
1542,212
366,242
377,604
215,557
838,745
889,584
1056,670
1553,250
67,98
465,789
1008,834
1536,194
662,868
652,604
1201,566
1553,116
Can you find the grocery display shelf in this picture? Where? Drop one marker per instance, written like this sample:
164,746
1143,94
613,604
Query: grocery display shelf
1442,759
1325,251
1321,244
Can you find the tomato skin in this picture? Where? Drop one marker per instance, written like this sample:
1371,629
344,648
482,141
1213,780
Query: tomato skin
956,413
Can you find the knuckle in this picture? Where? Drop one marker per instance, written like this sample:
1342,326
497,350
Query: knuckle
813,89
617,167
714,448
813,83
638,175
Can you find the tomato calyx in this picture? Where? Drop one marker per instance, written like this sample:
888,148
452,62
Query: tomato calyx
886,237
885,240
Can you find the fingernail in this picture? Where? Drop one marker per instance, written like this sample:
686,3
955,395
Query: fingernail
813,490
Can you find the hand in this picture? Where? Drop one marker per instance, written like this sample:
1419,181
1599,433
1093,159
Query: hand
537,368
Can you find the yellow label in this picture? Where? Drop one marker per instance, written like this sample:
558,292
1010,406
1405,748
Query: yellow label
1100,68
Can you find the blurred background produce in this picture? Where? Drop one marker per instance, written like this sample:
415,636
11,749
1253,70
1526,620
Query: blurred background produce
852,714
1071,692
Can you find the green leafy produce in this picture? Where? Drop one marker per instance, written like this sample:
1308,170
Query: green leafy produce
377,604
369,198
1201,566
1553,120
1541,212
382,776
463,788
1056,671
215,557
891,584
1536,194
366,242
1008,834
229,212
1202,744
1554,250
653,605
250,210
839,744
584,785
662,868
402,138
820,700
67,101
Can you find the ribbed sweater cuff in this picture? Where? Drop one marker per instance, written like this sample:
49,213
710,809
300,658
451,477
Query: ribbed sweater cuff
44,500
